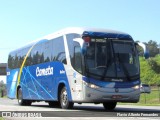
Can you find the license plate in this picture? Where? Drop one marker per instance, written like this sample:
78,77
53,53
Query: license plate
116,96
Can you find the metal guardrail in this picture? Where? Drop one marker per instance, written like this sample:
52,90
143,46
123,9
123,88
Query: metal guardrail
151,98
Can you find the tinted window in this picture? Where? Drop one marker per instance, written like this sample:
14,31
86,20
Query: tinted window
52,50
58,50
36,55
11,60
70,42
47,50
77,59
16,58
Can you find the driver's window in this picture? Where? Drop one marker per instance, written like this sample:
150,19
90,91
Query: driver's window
90,56
77,59
101,55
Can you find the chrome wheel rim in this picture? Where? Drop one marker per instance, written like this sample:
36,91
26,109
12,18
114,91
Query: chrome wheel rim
19,97
64,98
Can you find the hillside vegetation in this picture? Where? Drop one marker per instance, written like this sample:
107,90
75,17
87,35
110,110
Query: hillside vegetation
150,70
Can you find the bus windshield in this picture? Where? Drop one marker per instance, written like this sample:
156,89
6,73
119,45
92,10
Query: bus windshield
112,59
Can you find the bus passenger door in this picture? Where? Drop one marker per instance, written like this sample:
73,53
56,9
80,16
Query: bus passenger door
77,73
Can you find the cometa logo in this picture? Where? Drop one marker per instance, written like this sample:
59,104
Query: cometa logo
44,72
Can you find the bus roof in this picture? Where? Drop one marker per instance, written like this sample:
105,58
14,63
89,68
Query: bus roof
81,30
78,30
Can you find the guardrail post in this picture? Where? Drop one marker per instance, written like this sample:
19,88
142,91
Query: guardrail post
145,97
159,92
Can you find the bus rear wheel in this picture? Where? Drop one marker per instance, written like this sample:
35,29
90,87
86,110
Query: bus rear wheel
64,102
109,105
20,97
21,101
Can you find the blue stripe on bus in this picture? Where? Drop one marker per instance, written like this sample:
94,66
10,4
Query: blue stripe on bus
112,84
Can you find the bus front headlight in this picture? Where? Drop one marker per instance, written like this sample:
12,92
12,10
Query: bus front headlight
136,87
91,85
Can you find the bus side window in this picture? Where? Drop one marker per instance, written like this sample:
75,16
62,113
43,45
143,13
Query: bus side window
58,50
11,60
47,51
62,57
77,59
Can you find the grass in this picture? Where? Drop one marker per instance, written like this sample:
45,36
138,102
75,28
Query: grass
1,118
152,99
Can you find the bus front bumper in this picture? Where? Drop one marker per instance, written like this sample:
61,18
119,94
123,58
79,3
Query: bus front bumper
129,95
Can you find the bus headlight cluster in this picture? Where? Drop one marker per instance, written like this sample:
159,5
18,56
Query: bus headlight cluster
136,87
90,85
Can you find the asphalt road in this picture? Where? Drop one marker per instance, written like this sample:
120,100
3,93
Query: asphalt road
83,111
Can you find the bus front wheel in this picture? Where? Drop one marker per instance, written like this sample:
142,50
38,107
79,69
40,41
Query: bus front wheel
109,105
64,102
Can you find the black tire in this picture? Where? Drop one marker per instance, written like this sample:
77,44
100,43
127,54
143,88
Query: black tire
21,101
109,105
28,102
64,102
54,104
20,97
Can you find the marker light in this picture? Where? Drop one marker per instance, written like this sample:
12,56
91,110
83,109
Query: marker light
87,39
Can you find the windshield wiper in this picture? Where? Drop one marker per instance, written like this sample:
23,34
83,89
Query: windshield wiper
105,71
124,68
108,61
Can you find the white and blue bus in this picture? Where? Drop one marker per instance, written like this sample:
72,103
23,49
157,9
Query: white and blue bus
76,65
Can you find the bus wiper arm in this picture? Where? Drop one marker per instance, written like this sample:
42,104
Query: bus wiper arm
107,64
105,71
124,68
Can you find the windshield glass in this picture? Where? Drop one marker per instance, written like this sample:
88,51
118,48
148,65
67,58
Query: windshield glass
112,58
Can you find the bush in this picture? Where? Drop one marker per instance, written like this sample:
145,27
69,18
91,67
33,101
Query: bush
150,71
154,65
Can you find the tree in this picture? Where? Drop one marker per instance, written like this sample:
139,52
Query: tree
153,48
2,85
2,88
